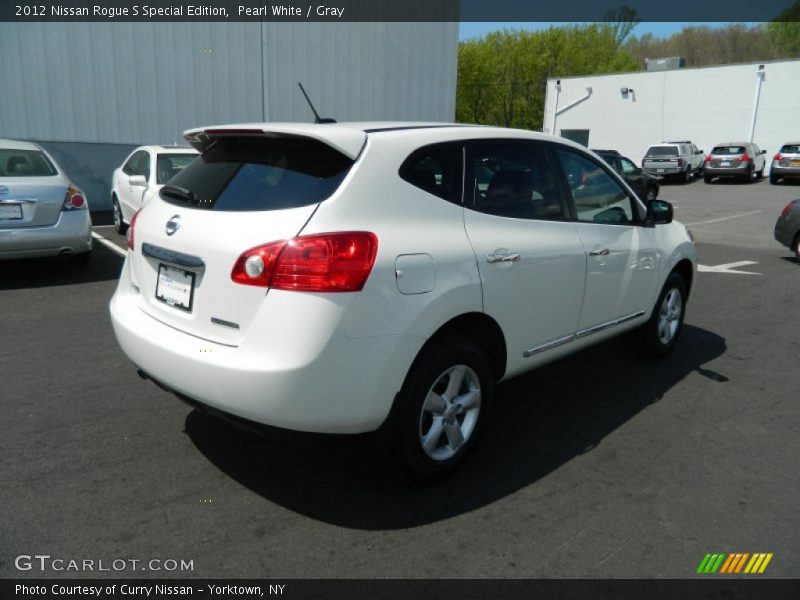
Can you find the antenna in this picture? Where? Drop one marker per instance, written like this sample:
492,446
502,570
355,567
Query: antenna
317,118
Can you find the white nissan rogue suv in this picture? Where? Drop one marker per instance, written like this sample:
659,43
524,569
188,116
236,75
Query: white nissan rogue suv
352,277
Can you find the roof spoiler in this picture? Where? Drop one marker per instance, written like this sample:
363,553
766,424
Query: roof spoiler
346,140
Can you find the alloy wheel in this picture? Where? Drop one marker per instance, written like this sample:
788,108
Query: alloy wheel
450,412
669,318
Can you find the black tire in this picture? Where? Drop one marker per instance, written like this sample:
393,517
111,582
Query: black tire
708,178
760,173
773,180
411,421
751,175
653,344
796,247
687,175
119,225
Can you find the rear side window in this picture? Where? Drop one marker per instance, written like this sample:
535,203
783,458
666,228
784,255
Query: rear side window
436,169
790,149
660,151
254,173
728,150
25,163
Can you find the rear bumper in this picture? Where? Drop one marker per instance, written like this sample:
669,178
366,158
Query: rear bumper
345,386
777,171
664,172
741,171
71,233
784,232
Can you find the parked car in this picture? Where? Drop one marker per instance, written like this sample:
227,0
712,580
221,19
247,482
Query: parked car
348,278
42,213
787,228
786,163
676,160
140,177
742,160
644,184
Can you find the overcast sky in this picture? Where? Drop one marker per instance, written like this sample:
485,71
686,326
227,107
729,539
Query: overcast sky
469,30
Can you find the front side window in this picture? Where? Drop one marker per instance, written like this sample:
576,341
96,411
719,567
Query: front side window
437,170
598,197
143,166
628,168
25,163
255,173
130,166
515,180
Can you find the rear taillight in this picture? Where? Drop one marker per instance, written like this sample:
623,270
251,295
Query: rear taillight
777,157
708,158
326,262
74,199
680,162
744,158
131,228
787,208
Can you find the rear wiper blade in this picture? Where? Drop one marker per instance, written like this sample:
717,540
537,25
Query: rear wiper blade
173,191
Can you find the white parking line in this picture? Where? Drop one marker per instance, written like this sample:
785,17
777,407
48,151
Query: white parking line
726,218
109,245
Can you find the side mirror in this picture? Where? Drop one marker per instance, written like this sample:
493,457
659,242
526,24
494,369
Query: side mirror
659,212
763,152
137,181
699,152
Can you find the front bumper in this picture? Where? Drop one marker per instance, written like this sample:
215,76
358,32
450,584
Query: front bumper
347,385
71,233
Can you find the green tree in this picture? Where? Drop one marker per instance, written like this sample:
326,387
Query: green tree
502,77
785,31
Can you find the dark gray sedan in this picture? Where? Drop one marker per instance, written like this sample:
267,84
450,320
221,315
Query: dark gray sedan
786,163
787,229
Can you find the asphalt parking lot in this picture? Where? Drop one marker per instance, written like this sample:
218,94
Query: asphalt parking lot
599,465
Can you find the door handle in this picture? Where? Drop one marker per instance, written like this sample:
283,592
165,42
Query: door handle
600,252
503,257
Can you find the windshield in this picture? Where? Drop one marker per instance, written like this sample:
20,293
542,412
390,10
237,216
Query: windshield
663,151
255,173
169,165
25,163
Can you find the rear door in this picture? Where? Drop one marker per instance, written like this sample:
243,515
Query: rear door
622,267
245,191
32,191
530,259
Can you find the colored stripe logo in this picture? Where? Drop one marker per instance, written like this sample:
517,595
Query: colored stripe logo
735,562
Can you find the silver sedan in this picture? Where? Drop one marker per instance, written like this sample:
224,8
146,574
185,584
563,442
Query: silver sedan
42,213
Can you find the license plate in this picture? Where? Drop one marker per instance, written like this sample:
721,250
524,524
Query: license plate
175,287
10,212
659,170
725,163
794,163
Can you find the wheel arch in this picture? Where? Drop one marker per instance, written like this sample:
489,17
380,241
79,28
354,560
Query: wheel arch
685,269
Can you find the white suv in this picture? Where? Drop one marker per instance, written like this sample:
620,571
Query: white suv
347,278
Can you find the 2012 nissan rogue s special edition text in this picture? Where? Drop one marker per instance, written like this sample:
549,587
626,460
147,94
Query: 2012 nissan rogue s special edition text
345,278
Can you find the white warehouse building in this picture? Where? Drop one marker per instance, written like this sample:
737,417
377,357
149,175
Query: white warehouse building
758,102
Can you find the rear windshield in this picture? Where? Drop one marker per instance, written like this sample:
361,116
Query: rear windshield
663,151
791,149
169,165
25,163
728,150
253,173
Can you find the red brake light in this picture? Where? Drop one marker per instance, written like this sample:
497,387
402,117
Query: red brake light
744,157
787,208
131,227
327,262
708,158
680,162
777,157
74,199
